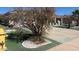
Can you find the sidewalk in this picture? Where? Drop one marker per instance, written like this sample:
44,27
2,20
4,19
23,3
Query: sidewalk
69,46
68,37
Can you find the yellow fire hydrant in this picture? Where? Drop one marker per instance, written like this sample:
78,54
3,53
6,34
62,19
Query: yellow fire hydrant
2,39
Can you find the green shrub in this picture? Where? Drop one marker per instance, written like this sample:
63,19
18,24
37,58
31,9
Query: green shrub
19,35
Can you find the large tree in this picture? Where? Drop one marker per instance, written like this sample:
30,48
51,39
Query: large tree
35,19
76,16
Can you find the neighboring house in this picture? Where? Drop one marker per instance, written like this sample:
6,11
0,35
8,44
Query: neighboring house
58,20
64,20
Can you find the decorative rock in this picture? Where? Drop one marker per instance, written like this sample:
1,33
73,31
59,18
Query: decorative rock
30,44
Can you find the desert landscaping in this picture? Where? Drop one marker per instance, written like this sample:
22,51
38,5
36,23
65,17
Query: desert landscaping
39,29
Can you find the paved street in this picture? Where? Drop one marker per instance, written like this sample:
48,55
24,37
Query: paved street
69,38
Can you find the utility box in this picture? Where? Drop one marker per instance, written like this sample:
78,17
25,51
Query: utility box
2,39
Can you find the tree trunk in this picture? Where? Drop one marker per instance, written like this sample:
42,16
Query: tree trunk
39,40
69,25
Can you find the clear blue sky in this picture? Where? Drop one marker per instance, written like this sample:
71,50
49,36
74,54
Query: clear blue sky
65,10
59,10
4,10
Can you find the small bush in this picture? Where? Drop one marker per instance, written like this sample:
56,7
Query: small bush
19,35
